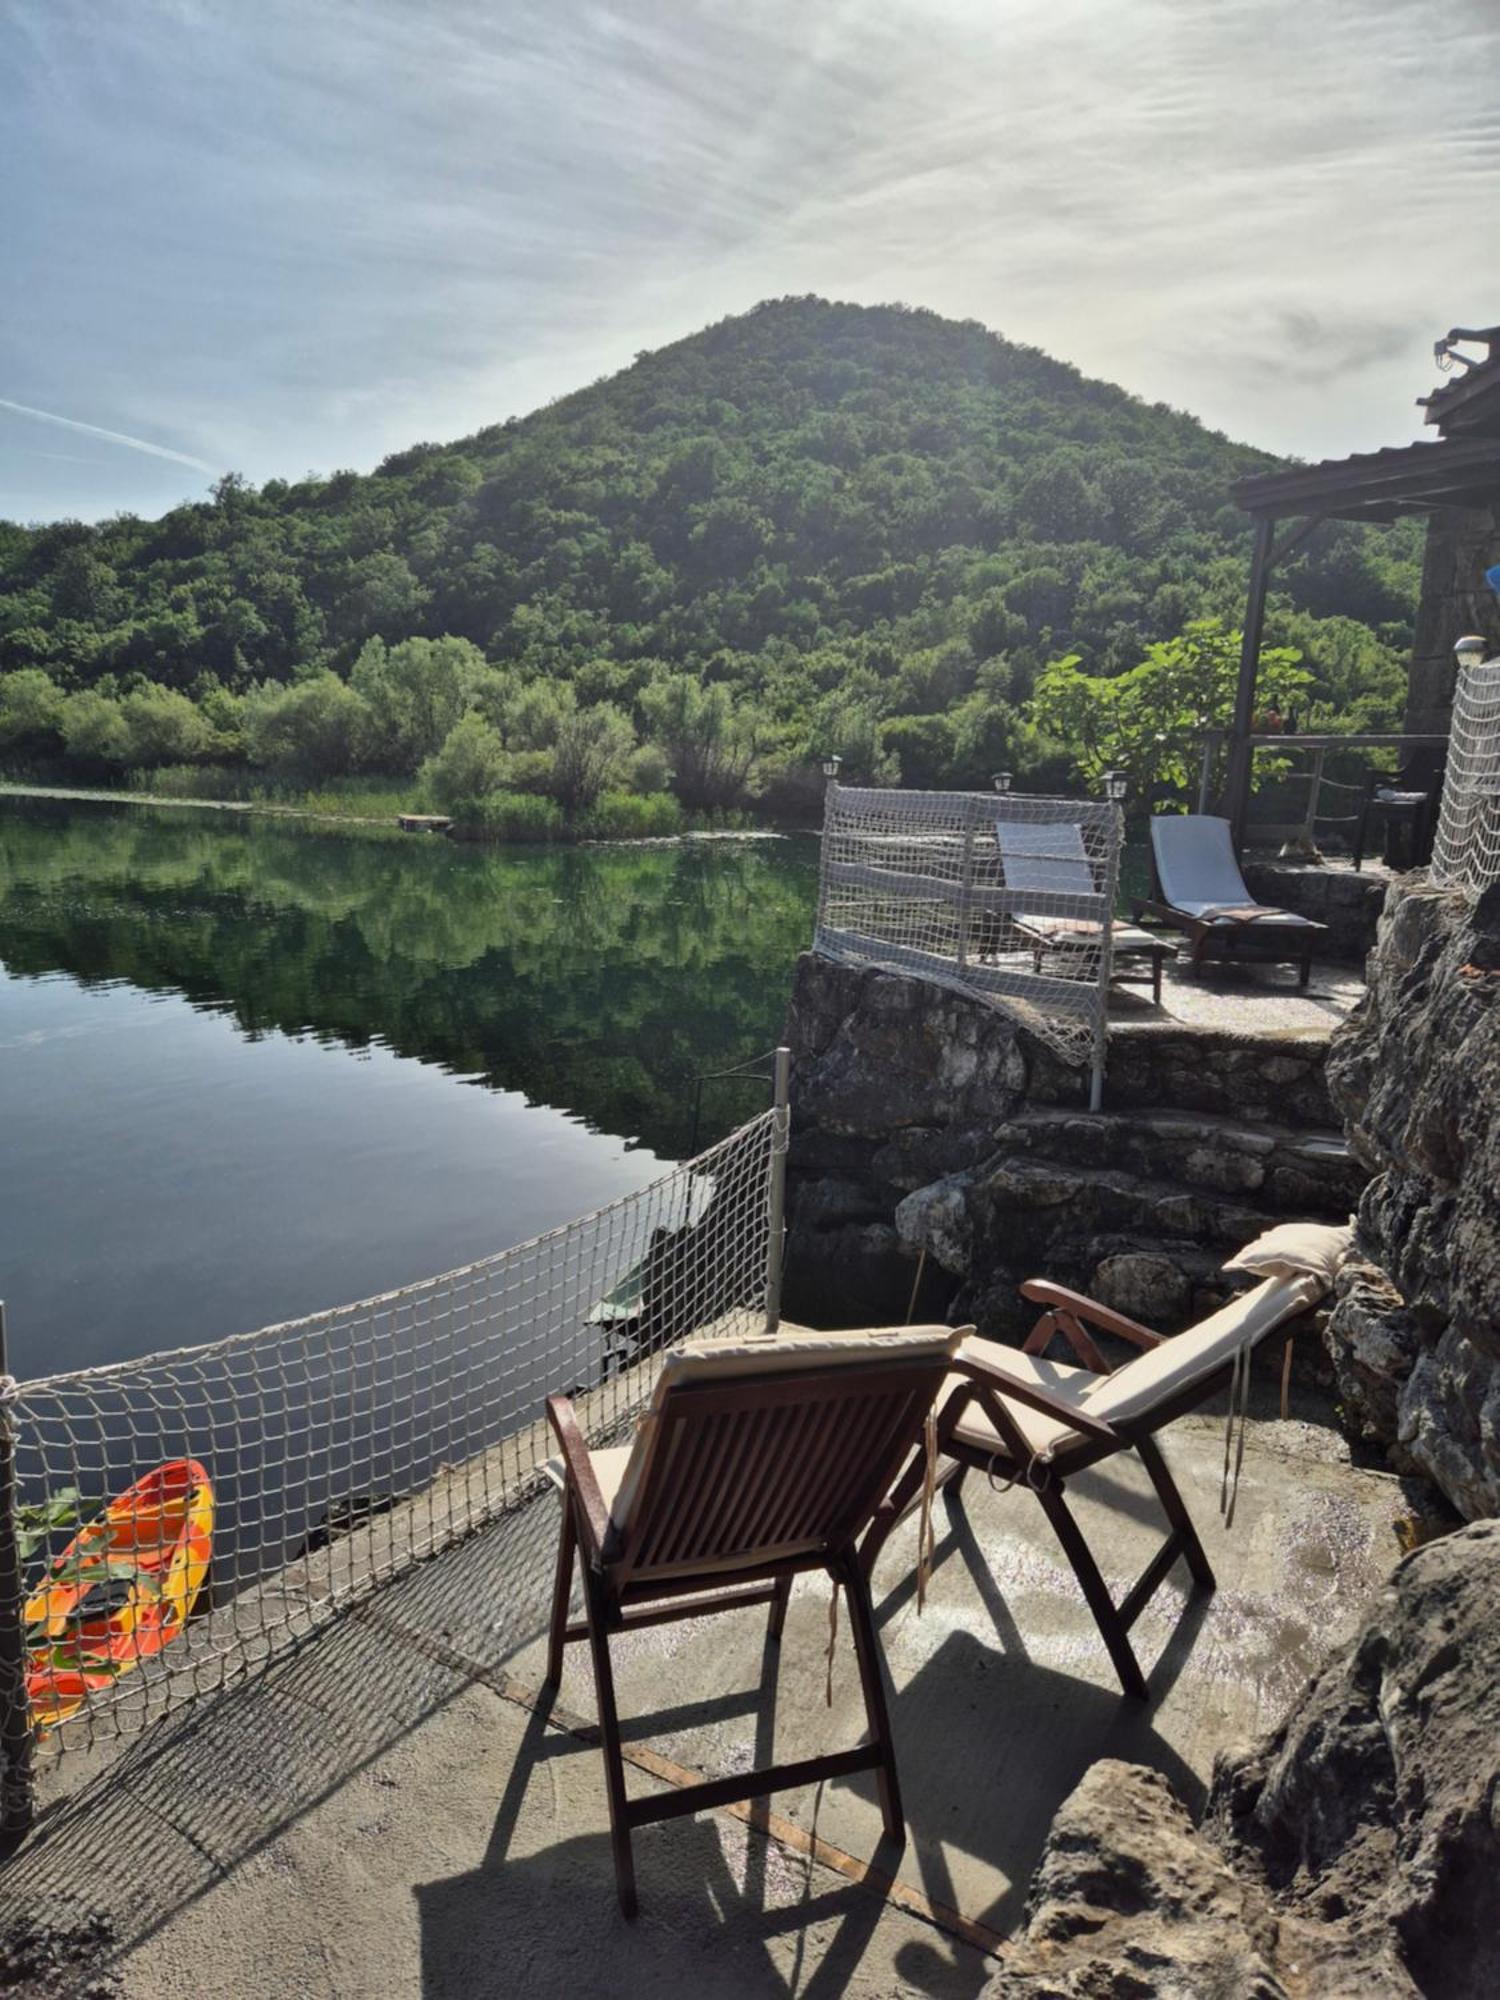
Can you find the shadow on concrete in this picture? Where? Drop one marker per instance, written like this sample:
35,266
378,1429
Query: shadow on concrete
161,1820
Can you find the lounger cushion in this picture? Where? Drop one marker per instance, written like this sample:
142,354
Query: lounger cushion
1153,1378
1044,1435
1317,1248
1199,875
1140,1386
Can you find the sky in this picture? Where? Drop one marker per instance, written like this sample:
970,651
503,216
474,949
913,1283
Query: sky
279,237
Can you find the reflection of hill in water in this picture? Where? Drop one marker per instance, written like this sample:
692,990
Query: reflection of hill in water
597,980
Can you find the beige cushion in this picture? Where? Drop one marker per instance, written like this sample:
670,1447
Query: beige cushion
1185,1358
770,1354
1043,1434
1294,1248
1142,1384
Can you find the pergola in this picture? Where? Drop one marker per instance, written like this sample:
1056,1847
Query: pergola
1460,469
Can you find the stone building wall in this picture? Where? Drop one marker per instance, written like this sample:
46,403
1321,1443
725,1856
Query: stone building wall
1415,1337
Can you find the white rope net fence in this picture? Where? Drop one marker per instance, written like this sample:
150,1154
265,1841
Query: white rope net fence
1466,850
182,1517
1007,898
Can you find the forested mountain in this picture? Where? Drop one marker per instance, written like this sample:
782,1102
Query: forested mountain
869,527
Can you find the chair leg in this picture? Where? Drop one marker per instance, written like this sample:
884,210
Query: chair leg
562,1590
867,1648
1113,1632
1175,1509
776,1624
609,1734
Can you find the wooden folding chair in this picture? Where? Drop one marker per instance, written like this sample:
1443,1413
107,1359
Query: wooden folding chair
755,1462
1011,1412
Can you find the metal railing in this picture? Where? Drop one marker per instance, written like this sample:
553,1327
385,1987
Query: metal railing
1318,747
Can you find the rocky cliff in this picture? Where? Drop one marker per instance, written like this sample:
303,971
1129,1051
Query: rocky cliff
1415,1073
1352,1851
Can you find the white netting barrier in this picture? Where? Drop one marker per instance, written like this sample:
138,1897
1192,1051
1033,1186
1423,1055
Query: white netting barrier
1007,898
1466,851
184,1516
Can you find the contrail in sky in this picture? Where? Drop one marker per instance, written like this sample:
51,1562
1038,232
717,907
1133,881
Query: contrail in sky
97,430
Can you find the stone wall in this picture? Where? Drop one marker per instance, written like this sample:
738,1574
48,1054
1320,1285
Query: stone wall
924,1121
1415,1337
1348,903
1462,542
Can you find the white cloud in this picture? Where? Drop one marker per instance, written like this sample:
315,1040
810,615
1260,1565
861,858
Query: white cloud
296,237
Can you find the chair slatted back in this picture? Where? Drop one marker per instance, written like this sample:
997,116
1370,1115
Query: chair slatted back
772,1467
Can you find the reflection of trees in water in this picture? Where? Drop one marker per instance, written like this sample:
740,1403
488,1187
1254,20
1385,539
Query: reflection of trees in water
595,979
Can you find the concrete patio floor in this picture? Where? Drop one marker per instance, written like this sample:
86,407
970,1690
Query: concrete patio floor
385,1811
1243,999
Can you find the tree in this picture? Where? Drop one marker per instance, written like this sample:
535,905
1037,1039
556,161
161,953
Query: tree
31,705
94,730
471,764
589,755
1147,722
415,692
316,728
711,744
164,727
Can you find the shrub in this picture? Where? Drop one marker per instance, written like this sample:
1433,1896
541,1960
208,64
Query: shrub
94,730
509,816
317,728
31,709
588,756
632,816
471,764
165,727
648,769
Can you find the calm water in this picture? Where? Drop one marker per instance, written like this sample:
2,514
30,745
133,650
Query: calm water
249,1070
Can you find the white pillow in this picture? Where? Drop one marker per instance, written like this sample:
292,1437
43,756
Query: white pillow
1295,1249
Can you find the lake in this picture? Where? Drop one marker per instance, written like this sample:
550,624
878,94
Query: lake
250,1069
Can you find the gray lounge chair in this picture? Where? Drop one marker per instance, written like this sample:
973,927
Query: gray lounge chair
1050,859
1201,892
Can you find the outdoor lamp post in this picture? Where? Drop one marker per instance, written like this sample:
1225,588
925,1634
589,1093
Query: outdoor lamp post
1116,785
1003,780
1471,649
831,769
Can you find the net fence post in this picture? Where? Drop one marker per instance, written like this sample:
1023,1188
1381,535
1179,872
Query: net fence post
17,1803
1114,833
965,891
781,1124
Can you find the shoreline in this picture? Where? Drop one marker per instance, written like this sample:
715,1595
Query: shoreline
269,809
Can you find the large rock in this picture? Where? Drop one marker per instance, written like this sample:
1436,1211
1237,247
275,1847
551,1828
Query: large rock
1355,1850
1373,1813
1415,1340
1129,1900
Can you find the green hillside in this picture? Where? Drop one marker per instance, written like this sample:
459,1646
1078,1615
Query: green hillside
866,527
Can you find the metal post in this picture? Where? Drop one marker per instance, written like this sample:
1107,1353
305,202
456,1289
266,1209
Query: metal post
965,890
16,1800
781,1127
1314,793
1241,754
1206,769
1110,885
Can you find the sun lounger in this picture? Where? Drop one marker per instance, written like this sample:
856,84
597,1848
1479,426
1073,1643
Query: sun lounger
1022,1418
1201,892
1050,859
756,1461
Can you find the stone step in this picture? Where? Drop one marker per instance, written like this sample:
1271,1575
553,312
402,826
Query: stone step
1280,1169
1164,1066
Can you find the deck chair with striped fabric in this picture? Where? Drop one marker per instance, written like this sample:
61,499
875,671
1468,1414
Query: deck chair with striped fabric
756,1461
1025,1419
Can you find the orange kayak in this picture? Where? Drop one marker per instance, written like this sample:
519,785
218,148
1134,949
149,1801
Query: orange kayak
120,1591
